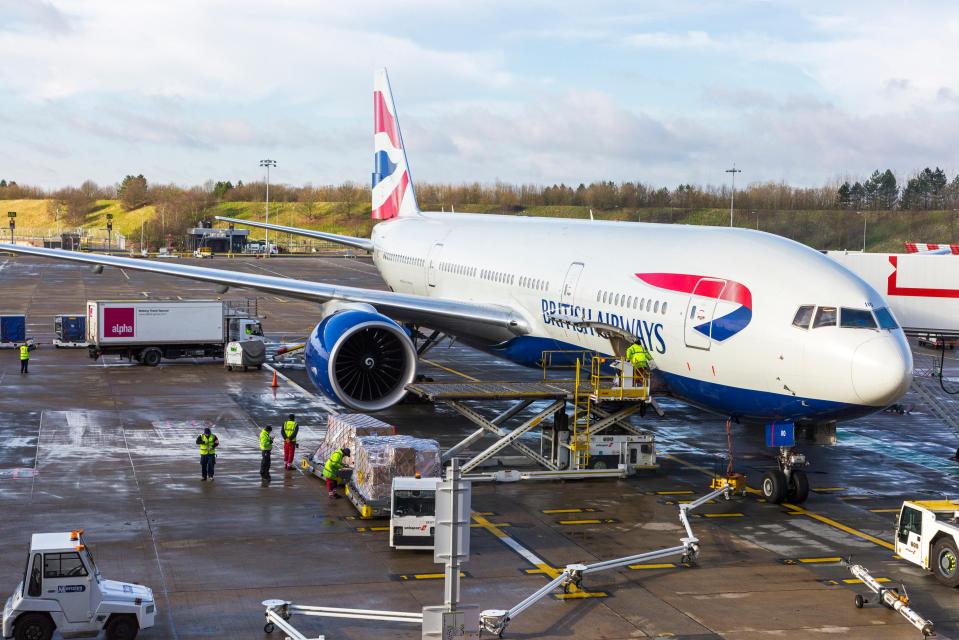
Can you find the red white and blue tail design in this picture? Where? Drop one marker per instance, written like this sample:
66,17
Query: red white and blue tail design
392,185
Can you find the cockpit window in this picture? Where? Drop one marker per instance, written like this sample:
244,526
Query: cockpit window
803,316
825,317
886,321
857,319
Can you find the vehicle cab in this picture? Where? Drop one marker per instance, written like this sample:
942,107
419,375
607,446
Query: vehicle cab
927,535
413,513
62,590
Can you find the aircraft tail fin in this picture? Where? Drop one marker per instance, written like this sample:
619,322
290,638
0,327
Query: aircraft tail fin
393,193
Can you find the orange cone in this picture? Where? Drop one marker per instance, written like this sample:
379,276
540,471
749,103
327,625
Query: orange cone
275,383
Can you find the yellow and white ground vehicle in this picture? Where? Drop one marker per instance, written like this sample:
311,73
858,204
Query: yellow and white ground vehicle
62,590
927,535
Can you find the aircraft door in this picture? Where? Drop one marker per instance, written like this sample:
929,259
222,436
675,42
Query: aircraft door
433,264
568,294
700,311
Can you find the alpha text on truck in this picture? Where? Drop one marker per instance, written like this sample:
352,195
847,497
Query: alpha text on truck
149,330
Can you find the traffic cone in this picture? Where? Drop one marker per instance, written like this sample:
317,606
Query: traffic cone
275,383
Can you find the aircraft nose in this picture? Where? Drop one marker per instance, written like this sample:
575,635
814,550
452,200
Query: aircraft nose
882,370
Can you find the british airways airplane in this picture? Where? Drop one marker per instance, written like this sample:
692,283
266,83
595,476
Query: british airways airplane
742,323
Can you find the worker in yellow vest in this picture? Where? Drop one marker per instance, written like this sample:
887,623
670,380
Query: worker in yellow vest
208,443
266,450
290,431
331,470
24,358
637,356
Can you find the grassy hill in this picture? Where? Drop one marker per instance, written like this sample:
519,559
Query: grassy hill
886,230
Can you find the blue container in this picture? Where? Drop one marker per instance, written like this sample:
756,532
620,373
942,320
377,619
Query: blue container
780,434
13,328
73,328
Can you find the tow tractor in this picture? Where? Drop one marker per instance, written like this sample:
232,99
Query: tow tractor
927,541
62,590
413,513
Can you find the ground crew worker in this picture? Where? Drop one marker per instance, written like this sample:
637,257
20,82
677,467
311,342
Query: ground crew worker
637,356
290,431
266,450
24,358
331,470
208,443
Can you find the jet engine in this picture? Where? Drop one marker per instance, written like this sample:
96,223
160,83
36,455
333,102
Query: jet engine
361,359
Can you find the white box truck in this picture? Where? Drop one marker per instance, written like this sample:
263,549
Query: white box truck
149,330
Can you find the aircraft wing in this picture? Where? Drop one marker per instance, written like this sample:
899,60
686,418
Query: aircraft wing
350,241
413,308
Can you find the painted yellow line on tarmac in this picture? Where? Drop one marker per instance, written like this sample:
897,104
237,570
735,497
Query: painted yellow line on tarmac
796,510
858,581
590,521
884,510
840,526
819,560
453,371
550,512
643,567
427,576
674,493
369,529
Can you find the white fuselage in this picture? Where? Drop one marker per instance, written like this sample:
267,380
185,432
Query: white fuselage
715,306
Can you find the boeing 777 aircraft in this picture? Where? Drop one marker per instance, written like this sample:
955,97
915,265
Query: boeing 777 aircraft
742,323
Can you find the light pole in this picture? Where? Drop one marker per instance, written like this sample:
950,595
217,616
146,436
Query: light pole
268,164
732,196
756,213
109,232
865,217
13,224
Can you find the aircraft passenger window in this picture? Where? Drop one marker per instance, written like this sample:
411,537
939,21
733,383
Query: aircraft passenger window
615,299
656,307
664,307
629,301
856,319
692,312
825,317
641,302
803,316
886,321
648,305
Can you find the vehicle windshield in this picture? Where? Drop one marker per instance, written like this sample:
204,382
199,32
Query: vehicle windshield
886,321
857,319
414,503
257,329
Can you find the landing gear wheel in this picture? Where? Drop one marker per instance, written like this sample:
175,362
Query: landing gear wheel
269,627
123,627
945,562
774,486
860,601
33,626
798,486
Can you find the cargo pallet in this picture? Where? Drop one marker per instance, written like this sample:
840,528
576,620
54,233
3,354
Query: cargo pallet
368,509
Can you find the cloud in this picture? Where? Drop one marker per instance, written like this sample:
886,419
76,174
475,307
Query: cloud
37,16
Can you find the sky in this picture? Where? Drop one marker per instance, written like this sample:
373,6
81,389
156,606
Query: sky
667,93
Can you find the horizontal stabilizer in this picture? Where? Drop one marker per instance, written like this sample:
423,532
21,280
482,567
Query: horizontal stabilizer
349,241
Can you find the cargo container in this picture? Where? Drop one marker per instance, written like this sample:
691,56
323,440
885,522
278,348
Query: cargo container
150,330
71,331
13,331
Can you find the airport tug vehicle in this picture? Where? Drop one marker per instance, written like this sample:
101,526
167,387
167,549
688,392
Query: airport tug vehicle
929,541
62,590
413,513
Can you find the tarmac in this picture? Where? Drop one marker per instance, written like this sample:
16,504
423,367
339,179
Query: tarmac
109,447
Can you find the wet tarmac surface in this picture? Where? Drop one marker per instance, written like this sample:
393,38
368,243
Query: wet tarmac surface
109,447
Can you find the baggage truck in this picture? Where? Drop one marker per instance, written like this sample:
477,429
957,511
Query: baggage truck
150,330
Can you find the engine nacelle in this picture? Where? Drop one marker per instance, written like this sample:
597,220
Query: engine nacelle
361,358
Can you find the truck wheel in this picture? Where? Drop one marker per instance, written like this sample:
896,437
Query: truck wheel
945,562
122,627
859,601
151,357
33,626
774,486
798,487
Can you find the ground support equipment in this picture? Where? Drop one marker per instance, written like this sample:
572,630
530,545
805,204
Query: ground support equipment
279,612
892,598
495,621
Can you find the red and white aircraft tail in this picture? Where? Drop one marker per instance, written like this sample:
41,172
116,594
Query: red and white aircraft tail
393,194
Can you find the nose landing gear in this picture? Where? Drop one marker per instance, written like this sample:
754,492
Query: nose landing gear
789,483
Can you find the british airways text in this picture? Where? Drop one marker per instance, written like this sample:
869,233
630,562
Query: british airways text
649,333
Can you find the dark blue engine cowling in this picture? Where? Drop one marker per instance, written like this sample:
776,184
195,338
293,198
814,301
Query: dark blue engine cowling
361,359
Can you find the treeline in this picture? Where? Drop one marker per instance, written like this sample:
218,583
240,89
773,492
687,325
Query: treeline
180,206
